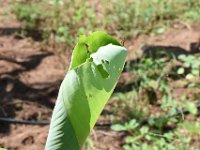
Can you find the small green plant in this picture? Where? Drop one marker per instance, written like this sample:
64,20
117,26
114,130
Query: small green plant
149,17
30,14
150,81
63,20
191,62
152,98
138,133
147,138
96,64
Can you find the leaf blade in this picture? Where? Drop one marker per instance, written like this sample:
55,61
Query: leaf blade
82,96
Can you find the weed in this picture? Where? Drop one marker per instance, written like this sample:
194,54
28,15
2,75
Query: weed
152,97
154,16
63,20
191,62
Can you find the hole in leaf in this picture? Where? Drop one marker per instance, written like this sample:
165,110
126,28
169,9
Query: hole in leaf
90,59
87,48
102,71
105,61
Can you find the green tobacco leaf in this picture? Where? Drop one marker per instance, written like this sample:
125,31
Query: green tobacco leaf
84,93
88,45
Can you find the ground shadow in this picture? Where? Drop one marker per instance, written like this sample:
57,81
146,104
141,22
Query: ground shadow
12,88
36,35
155,52
168,51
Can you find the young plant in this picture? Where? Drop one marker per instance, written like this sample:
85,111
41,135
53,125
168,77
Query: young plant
96,64
191,62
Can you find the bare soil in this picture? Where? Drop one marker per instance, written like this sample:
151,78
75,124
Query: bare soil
30,78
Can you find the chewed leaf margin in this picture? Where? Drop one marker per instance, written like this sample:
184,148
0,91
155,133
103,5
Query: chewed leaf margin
88,45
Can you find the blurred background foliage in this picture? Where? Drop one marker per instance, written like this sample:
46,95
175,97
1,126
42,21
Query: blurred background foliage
63,20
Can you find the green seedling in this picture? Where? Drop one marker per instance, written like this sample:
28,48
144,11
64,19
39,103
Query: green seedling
86,88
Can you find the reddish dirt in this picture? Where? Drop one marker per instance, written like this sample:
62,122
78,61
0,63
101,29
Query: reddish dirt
30,78
29,82
179,36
